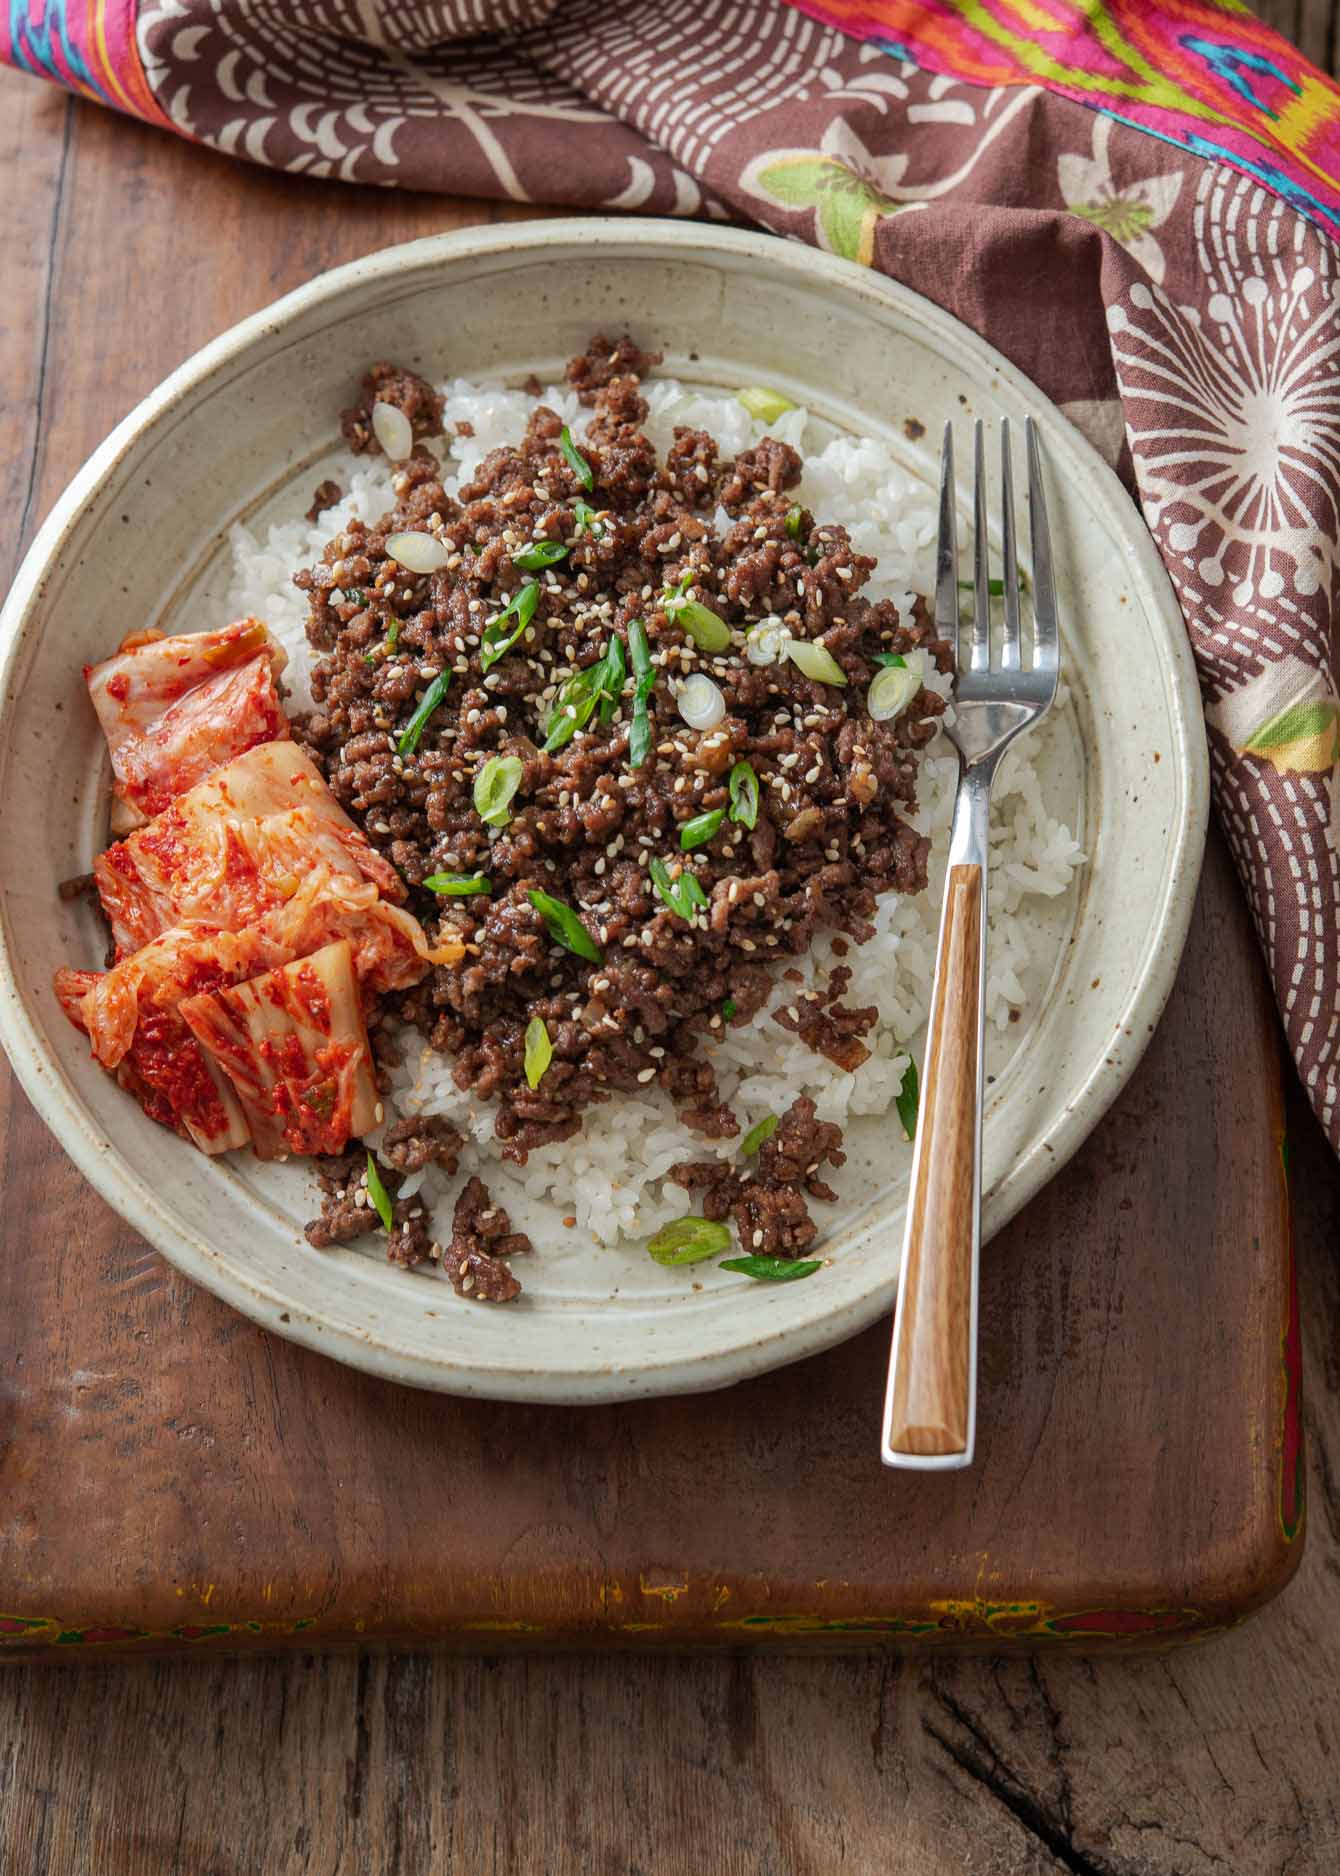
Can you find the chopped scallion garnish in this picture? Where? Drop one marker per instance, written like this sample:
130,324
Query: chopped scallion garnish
539,1051
906,1101
574,459
611,685
706,628
588,521
815,660
495,785
684,895
744,795
688,1241
772,1269
392,636
728,1009
381,1198
599,683
888,657
639,734
756,1135
539,554
432,697
496,641
795,521
698,831
457,885
761,401
891,691
564,926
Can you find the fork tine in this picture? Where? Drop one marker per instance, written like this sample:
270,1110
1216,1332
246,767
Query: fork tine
946,552
981,570
1009,649
1046,643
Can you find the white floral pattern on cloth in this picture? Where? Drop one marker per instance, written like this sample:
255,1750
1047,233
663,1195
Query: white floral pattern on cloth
1233,419
1129,212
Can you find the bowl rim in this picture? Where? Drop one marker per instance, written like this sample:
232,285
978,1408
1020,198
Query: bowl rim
1084,1107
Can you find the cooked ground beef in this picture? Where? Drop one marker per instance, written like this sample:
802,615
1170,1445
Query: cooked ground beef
826,1025
835,787
602,362
347,1212
481,1239
391,384
324,495
768,1202
418,1141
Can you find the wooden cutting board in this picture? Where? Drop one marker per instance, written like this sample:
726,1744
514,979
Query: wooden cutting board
173,1478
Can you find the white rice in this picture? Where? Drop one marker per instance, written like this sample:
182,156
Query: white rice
611,1179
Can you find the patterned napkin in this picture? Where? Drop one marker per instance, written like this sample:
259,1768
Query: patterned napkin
1137,201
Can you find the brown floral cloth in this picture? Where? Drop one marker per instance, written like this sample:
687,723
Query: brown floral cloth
1184,316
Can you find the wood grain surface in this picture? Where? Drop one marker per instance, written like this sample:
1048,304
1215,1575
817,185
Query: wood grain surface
176,1477
1220,1758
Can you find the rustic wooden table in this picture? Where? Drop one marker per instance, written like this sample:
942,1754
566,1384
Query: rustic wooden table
1218,1758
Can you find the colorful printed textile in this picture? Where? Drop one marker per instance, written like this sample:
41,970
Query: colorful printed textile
1177,294
1205,74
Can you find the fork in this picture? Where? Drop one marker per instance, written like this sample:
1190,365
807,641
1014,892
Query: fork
930,1407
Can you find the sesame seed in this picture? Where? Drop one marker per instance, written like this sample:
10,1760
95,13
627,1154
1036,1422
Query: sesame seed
646,1074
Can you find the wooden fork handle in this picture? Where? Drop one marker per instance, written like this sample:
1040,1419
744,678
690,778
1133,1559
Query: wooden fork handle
929,1410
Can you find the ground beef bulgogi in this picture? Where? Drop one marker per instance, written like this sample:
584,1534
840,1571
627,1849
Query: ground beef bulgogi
607,543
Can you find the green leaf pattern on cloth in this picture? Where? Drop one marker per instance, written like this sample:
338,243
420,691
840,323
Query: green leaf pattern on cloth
848,193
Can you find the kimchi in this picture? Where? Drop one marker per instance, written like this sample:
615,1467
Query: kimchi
173,709
252,921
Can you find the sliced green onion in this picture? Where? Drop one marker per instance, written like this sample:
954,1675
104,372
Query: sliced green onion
756,1135
688,1241
889,657
588,521
539,1051
496,642
599,683
906,1101
684,895
815,660
639,734
574,459
706,628
996,588
616,675
763,402
457,885
698,831
763,642
700,702
495,785
432,697
564,926
891,691
795,521
540,554
744,794
772,1269
392,636
380,1197
728,1009
354,595
418,552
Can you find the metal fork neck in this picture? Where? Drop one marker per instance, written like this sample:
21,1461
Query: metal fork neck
968,834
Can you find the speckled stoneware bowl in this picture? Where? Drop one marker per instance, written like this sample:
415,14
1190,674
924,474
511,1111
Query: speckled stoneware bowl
241,430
